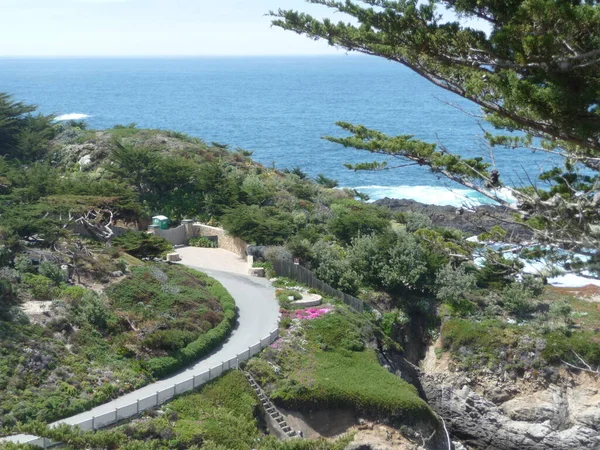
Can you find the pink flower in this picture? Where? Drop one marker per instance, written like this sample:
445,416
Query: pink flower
311,313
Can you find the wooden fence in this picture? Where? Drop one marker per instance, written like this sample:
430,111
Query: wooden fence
301,274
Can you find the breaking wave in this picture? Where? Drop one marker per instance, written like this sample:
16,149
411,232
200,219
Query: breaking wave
72,116
433,195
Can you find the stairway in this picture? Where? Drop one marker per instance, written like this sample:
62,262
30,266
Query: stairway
270,409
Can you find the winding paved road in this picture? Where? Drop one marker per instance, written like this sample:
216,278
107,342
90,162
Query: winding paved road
258,314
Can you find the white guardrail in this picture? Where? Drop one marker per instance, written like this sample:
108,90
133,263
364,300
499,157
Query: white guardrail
160,397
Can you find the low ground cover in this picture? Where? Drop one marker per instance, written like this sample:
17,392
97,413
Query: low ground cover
88,348
561,328
329,362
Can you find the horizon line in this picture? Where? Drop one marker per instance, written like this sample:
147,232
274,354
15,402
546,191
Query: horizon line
284,55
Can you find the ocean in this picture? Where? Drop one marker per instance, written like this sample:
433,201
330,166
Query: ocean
277,107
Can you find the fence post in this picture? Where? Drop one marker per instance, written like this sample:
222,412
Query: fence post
137,405
157,398
249,352
116,415
237,360
194,382
93,423
209,376
174,390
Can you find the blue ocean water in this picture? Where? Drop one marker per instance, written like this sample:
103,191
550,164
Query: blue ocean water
278,107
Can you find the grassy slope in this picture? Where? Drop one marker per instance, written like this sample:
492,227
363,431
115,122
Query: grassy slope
325,364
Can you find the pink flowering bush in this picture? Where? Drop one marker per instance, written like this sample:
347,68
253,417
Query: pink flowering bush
311,313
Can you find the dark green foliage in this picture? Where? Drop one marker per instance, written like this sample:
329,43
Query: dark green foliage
326,182
222,415
23,136
353,219
183,294
91,310
143,245
53,272
41,288
115,341
262,226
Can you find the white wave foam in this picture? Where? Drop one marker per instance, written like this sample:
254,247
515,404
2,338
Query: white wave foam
72,116
433,195
571,280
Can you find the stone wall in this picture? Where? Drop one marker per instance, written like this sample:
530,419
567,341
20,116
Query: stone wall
187,230
225,240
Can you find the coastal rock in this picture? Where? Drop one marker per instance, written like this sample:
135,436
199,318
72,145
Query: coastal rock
537,421
524,415
473,222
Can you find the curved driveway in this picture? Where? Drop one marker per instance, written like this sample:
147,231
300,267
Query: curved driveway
258,315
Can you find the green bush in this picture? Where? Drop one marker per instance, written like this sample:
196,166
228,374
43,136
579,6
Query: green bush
262,226
202,241
517,299
92,309
53,272
41,288
72,293
565,346
143,245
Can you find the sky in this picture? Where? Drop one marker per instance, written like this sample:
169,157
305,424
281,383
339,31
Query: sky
152,28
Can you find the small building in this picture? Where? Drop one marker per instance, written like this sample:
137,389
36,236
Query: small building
161,222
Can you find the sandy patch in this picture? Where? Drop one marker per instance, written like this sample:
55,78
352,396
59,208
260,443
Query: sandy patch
36,310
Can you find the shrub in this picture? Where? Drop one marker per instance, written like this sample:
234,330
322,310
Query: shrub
416,221
353,219
169,340
41,288
454,285
205,343
23,264
202,241
561,310
517,299
53,272
92,310
72,293
143,245
565,346
262,226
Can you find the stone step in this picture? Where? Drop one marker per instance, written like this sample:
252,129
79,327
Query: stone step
276,416
287,429
280,419
292,434
283,424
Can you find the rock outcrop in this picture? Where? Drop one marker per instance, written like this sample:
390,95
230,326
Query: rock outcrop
474,222
498,413
556,418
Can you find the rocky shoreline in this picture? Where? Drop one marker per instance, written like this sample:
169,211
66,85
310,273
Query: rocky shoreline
474,222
